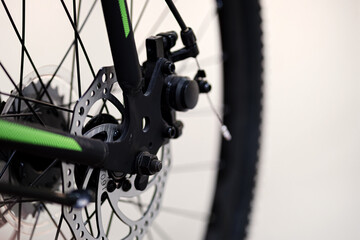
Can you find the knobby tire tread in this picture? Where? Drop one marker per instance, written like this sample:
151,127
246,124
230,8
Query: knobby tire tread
241,35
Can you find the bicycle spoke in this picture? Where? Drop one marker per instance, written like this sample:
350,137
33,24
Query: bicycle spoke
165,12
87,216
195,167
9,207
71,81
7,201
7,164
109,225
140,205
78,38
131,10
76,48
176,211
26,99
104,106
160,231
52,219
22,52
43,173
19,220
141,14
17,89
200,33
35,224
69,48
25,49
91,215
40,102
13,115
149,234
59,226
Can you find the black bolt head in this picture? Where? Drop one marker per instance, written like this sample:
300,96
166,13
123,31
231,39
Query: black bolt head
168,67
111,186
148,164
170,132
155,166
126,186
141,182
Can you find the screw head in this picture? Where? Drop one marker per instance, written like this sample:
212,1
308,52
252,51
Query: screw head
126,186
111,186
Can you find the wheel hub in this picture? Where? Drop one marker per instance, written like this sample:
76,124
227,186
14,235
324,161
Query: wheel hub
109,186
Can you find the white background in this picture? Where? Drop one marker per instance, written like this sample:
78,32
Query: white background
308,185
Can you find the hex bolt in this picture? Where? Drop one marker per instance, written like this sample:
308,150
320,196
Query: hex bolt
148,164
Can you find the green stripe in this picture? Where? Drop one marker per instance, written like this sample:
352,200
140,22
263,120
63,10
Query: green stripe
124,17
23,134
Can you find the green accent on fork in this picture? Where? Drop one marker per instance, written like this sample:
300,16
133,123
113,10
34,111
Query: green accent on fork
124,17
14,132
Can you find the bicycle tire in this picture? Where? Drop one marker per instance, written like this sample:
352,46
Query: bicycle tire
242,53
223,219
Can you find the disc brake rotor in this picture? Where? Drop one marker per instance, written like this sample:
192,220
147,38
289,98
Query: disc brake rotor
109,186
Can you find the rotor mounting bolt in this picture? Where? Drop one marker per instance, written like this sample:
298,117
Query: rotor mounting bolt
126,186
111,186
148,164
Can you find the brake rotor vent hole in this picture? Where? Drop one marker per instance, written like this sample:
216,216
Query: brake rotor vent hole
81,111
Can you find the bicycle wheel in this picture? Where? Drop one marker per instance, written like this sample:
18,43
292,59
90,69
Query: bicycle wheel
115,213
242,49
